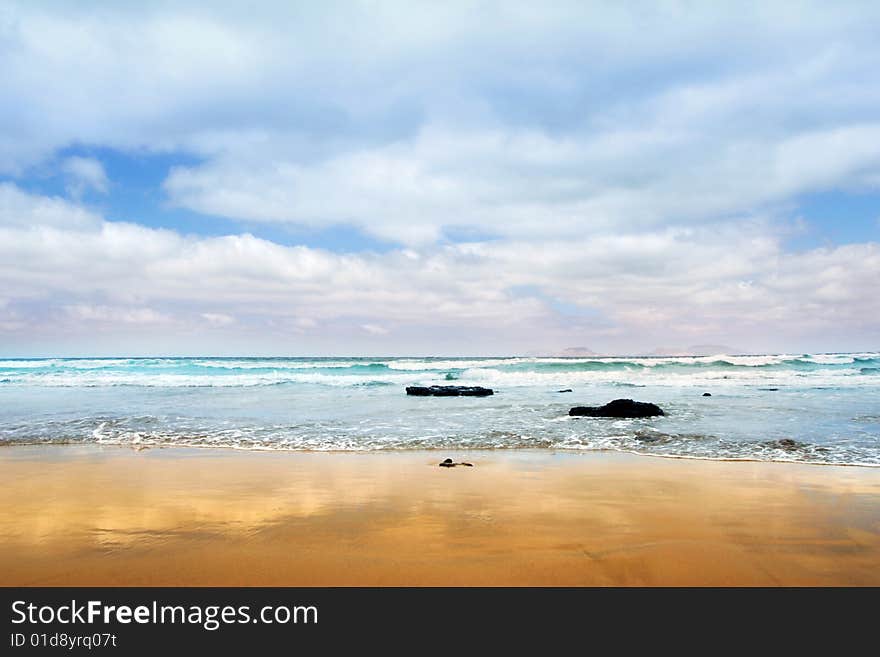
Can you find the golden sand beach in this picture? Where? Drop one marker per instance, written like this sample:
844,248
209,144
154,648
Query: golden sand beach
90,515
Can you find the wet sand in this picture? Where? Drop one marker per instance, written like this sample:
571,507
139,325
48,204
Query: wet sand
90,515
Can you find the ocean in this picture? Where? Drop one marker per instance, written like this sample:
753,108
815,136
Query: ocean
813,408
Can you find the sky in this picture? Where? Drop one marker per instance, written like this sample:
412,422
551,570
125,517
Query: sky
462,178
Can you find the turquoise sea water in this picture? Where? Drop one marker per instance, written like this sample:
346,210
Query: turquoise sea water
829,404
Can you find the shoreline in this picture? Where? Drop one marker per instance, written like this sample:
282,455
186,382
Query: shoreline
394,450
112,515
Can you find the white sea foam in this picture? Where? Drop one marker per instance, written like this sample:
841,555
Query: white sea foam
844,370
278,364
28,364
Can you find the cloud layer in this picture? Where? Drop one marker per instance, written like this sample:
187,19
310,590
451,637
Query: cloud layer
690,284
603,174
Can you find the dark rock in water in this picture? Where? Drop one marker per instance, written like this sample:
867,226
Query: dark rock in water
448,391
619,408
769,389
449,463
566,390
788,444
707,394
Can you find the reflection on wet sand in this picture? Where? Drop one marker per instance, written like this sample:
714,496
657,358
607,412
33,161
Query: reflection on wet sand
92,515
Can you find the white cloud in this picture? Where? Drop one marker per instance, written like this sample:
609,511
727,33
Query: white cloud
23,210
218,319
526,183
374,329
83,174
87,313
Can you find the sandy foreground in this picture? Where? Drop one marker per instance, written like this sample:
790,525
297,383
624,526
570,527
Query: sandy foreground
89,515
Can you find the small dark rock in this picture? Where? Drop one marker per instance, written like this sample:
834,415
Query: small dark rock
618,408
769,389
449,463
566,390
707,394
788,443
448,391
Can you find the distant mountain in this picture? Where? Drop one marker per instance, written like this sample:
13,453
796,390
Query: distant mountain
577,351
568,352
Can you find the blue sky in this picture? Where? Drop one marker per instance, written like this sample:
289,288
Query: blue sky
464,178
839,217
